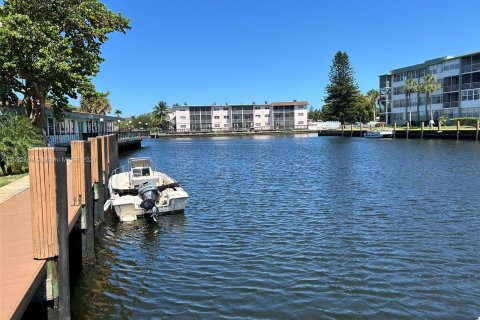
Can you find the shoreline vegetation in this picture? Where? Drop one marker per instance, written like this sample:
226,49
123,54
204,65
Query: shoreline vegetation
5,180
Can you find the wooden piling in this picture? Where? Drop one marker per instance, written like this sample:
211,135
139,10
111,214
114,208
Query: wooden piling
458,130
408,130
48,194
351,130
477,130
422,128
98,191
82,194
361,130
394,130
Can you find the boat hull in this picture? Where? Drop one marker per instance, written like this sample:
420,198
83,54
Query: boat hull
127,208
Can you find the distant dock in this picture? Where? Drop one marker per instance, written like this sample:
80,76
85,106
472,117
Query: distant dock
437,132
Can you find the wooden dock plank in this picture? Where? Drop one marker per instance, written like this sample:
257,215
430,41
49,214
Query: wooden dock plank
20,274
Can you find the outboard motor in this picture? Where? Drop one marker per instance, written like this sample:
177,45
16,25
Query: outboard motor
150,195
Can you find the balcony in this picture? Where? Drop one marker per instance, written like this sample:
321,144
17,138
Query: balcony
452,104
451,88
471,68
471,85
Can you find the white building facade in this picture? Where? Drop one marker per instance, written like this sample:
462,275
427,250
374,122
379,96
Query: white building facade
458,96
288,115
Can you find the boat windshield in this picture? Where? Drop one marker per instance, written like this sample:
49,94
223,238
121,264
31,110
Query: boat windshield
141,172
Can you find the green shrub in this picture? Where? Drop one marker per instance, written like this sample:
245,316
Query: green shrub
17,134
472,122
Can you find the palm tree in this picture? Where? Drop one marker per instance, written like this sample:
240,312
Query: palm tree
428,86
411,86
373,96
160,114
118,112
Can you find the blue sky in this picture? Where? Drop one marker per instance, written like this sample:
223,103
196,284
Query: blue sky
240,51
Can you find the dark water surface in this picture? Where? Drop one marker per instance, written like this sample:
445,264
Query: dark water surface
298,227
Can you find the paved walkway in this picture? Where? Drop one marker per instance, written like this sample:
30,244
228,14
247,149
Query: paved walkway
20,274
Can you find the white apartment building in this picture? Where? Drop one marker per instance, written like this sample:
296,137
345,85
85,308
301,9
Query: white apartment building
458,96
240,117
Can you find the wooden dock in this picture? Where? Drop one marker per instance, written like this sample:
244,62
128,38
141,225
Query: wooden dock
437,132
35,223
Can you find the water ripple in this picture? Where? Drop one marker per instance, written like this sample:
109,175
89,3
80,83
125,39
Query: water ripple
298,228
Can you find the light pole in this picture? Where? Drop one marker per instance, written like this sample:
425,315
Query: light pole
101,126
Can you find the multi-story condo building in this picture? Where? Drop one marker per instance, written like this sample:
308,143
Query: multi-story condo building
240,117
458,96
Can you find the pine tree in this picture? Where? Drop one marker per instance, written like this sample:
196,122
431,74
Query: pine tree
342,92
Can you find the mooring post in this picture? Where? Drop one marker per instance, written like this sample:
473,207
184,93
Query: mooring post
343,128
351,130
422,128
394,130
104,178
96,173
361,130
48,194
82,194
477,130
458,130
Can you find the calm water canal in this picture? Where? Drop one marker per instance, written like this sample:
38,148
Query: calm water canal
298,227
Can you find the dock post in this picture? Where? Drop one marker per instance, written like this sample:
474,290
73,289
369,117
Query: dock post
82,194
361,130
48,194
343,128
394,130
422,128
351,130
96,167
104,176
477,130
408,129
458,130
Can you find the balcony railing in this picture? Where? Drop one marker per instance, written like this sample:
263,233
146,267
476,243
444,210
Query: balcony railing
454,87
57,140
471,68
471,85
452,104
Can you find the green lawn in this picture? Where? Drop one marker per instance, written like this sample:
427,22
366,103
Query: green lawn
4,180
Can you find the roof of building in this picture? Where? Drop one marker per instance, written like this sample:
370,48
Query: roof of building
290,103
430,62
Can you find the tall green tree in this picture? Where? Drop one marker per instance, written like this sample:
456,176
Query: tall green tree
314,114
51,49
118,112
428,86
97,103
373,96
342,92
411,87
160,115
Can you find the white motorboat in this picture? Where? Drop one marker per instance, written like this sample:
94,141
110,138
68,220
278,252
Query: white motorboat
379,134
142,191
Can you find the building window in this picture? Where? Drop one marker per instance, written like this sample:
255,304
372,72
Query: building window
258,124
468,95
216,117
225,109
267,123
183,117
300,122
267,116
226,125
216,125
183,126
225,117
300,114
50,126
257,116
183,110
216,109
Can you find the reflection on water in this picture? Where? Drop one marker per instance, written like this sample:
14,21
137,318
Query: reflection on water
286,227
